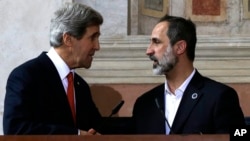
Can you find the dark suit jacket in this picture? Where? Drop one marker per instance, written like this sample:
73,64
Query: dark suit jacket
216,109
36,102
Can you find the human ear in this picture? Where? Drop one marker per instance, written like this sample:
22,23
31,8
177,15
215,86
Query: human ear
67,39
181,46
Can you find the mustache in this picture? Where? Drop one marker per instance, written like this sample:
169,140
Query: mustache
153,58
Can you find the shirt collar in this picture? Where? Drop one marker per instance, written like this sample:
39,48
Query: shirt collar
179,91
61,66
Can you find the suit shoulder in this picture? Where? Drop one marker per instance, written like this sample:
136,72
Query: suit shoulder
32,66
154,92
213,84
32,63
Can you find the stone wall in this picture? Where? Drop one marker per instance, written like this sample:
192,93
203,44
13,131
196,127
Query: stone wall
235,22
115,13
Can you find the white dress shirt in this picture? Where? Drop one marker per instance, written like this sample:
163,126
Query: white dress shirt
172,101
61,67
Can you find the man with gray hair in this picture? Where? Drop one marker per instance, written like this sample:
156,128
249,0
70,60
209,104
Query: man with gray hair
45,95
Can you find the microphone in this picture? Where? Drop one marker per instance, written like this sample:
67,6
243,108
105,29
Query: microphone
162,113
114,111
117,108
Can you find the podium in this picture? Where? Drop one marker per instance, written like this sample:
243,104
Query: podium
220,137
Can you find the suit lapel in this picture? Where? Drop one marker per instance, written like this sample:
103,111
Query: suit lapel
56,88
78,90
160,97
190,97
158,101
82,96
52,75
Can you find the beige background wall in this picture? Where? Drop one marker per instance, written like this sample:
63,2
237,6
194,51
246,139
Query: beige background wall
223,48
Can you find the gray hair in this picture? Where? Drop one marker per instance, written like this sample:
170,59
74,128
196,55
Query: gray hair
73,19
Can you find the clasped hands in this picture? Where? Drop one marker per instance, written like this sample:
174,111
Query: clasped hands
89,132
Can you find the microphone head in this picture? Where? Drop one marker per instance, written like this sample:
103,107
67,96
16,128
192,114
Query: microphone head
117,108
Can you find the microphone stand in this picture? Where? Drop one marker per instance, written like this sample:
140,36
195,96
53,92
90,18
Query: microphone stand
162,113
114,111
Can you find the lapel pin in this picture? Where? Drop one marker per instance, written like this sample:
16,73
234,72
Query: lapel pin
78,83
194,95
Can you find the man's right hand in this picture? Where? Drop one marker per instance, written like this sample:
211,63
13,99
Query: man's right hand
89,132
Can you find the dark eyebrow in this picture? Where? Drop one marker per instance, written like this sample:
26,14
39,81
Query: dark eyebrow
155,40
96,34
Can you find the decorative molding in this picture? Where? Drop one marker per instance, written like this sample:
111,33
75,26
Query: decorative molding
123,60
206,10
158,7
246,9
